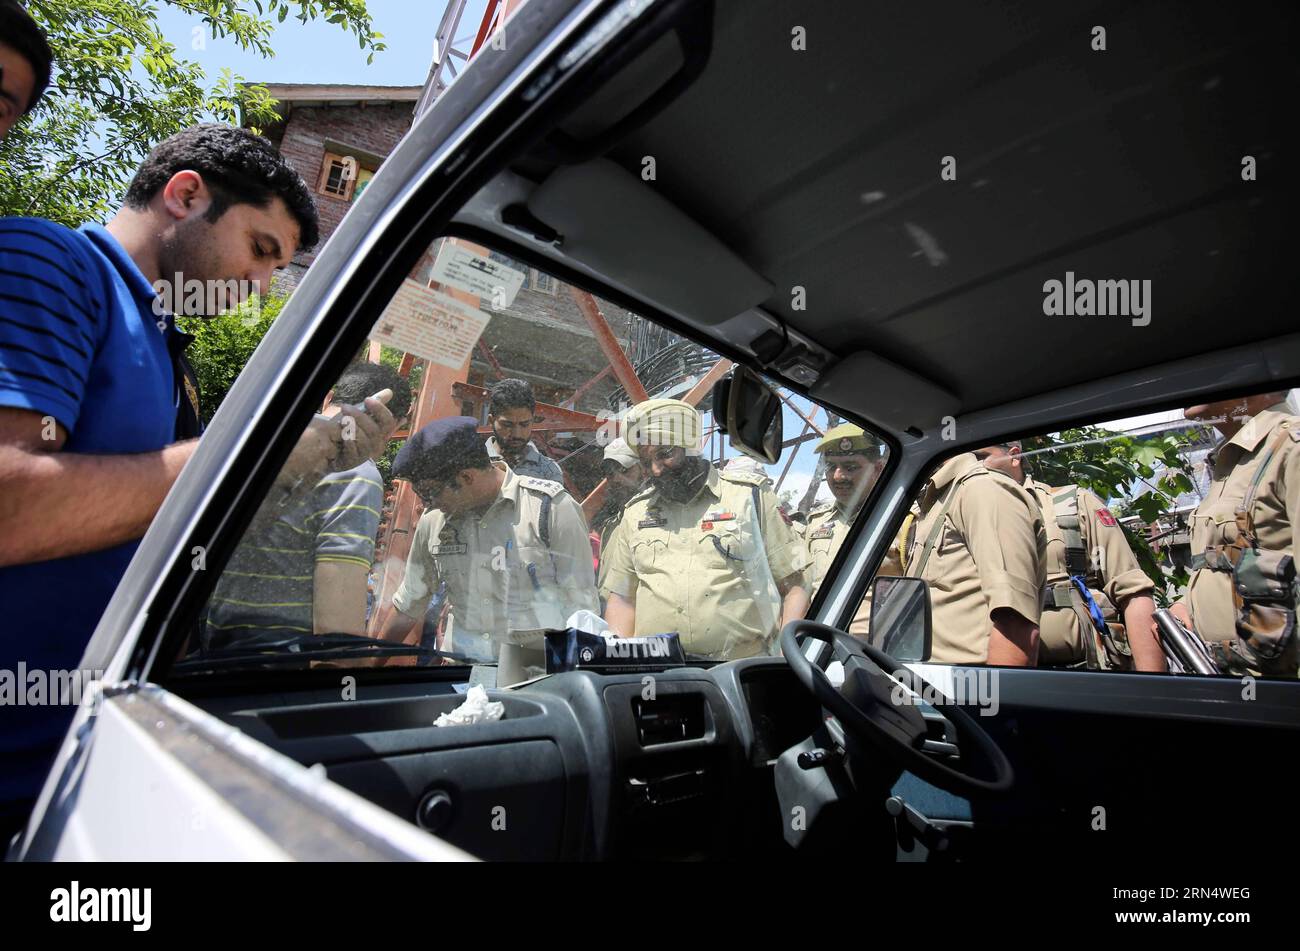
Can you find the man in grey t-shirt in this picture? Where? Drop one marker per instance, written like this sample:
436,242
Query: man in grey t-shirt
304,564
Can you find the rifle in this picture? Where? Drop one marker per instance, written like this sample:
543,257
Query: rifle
1184,651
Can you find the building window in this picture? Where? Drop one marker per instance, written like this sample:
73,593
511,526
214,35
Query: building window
543,283
338,176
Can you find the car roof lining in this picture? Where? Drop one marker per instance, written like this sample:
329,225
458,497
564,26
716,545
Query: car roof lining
922,291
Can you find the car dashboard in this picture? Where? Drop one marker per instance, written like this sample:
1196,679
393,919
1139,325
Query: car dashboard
582,766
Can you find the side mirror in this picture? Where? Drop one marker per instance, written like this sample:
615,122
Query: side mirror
900,623
749,412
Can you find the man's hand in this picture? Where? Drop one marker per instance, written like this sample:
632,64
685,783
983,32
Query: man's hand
364,431
1179,610
54,504
1143,638
313,455
620,615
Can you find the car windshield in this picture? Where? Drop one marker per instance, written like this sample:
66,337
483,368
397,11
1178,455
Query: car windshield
509,454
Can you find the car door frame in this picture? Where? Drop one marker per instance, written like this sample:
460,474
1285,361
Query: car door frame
500,102
1204,705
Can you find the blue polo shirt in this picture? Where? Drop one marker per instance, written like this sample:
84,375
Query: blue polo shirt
79,341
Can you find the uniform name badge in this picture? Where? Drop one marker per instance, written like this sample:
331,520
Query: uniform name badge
448,549
826,531
654,521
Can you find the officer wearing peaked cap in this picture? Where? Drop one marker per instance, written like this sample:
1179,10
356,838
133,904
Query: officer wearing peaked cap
699,552
513,550
853,463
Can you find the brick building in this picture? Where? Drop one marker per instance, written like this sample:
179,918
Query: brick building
337,136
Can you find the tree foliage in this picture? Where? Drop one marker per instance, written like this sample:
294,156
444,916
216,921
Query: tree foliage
120,88
223,345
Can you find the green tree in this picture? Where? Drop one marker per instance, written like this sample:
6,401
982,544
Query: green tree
1111,465
222,346
120,88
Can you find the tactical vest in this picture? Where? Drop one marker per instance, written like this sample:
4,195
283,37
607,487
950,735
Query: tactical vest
1105,645
1264,590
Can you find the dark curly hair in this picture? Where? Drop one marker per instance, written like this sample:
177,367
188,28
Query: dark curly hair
238,167
19,31
363,379
511,394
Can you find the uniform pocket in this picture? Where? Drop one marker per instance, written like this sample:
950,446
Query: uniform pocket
730,546
648,553
819,547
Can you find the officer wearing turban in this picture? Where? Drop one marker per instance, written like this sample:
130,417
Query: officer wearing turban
699,552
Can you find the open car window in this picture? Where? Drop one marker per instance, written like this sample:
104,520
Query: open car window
507,486
1158,543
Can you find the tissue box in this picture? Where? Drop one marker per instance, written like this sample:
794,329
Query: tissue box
578,650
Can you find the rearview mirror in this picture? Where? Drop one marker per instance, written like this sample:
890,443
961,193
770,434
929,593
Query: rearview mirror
900,618
749,412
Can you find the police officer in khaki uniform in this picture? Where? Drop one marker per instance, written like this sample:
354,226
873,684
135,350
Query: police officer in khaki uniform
513,551
853,463
979,544
702,553
1084,539
1243,531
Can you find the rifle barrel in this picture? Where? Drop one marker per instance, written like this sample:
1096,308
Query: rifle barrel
1183,646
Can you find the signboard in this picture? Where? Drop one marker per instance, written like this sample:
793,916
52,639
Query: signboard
464,270
431,325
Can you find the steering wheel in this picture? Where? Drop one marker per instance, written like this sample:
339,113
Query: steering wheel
868,707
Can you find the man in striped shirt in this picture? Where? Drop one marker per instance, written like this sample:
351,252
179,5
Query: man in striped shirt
89,394
303,565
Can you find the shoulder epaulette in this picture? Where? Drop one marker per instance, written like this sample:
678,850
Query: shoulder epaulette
547,486
744,478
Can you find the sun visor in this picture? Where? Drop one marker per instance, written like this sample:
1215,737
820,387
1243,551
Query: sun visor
621,228
885,393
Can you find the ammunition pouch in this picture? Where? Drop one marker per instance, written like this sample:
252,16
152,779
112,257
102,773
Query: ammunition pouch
1119,656
1264,595
1263,588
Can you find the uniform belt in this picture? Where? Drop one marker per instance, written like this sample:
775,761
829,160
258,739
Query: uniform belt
1211,559
1058,596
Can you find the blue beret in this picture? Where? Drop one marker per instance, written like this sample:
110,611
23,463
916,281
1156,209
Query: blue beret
441,449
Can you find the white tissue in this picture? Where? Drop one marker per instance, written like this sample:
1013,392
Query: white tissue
477,708
588,622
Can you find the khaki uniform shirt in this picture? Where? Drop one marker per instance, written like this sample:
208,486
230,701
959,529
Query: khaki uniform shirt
1113,574
708,568
1276,509
485,558
988,555
827,526
823,535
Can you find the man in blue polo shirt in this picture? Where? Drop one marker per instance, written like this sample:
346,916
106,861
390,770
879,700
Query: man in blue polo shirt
90,399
